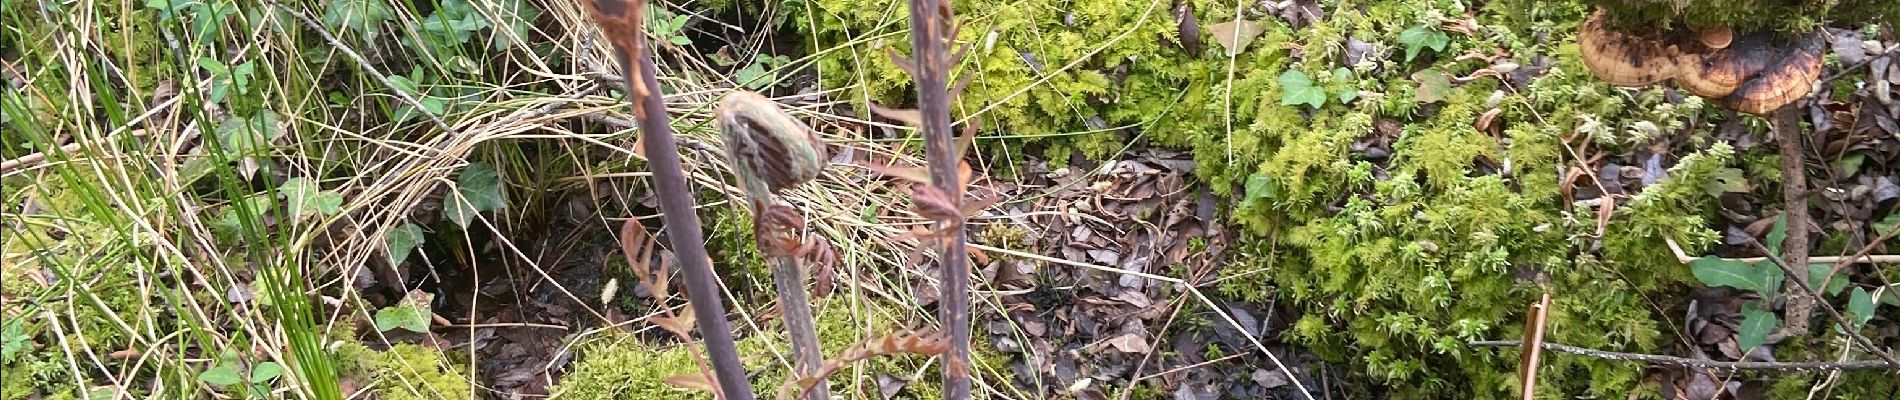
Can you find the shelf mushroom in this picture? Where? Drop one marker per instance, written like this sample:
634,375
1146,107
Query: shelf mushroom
1753,73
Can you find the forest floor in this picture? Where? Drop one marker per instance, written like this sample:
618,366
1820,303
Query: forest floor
364,199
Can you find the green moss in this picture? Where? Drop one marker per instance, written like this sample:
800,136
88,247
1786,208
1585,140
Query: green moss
405,371
1751,15
619,366
35,374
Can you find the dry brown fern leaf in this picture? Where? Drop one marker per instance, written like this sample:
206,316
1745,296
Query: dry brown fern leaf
901,342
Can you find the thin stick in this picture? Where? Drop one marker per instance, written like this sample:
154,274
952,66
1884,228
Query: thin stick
1801,282
1689,362
620,20
929,21
1843,263
1683,257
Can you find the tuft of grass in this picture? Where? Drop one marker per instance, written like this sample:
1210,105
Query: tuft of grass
192,185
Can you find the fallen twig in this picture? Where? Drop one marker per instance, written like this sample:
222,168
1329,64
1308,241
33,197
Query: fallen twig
1690,362
1535,321
1685,258
1800,280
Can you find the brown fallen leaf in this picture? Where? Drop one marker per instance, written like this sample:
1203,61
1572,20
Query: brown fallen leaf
1235,35
681,325
1130,343
1488,122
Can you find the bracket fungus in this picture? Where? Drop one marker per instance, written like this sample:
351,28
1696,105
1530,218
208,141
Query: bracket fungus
1755,73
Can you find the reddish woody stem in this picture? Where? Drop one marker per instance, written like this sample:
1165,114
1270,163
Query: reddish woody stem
620,20
929,21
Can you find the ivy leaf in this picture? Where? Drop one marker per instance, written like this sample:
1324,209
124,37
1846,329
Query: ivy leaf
13,339
220,77
1296,88
266,371
1725,180
1419,37
1890,297
206,20
516,17
477,190
409,318
1817,272
1259,186
221,375
1235,35
1756,324
361,16
1887,224
170,9
1348,92
403,84
1433,86
1861,305
756,75
1777,234
1760,278
451,24
241,75
306,198
231,218
412,313
401,241
1850,163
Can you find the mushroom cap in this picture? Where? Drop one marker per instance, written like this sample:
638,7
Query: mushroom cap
1716,74
1753,73
1624,59
1788,76
1715,37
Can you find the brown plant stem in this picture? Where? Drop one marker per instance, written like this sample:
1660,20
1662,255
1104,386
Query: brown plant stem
1690,362
800,325
1794,197
929,20
620,20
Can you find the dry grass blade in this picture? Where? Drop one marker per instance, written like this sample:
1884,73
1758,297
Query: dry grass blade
1535,320
903,342
692,381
